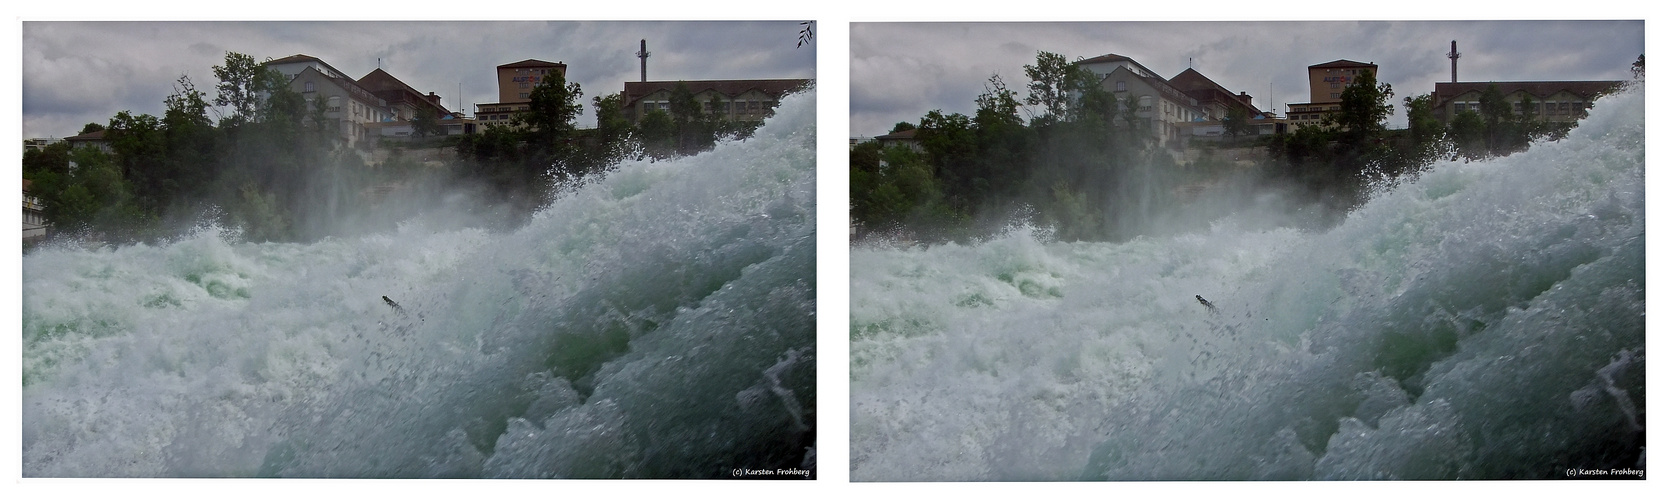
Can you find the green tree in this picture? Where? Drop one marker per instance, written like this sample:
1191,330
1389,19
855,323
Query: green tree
89,195
950,143
1421,122
246,87
554,107
426,122
890,186
614,137
1053,82
192,144
139,144
658,134
1364,108
1469,134
90,128
1235,124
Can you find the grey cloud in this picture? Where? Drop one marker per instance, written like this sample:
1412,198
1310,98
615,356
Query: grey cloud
139,61
1266,59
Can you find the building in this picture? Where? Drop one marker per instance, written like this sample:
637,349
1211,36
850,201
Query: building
403,104
1216,103
94,139
351,111
39,144
1165,111
1325,83
904,138
403,101
1563,101
35,226
735,100
515,82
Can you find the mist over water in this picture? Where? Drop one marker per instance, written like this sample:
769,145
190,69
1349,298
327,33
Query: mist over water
1482,321
656,323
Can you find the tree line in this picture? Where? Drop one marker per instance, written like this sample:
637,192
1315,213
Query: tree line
1087,166
273,165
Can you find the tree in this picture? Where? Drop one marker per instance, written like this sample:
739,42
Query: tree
91,127
658,134
425,122
1053,82
1235,123
1365,107
245,86
554,106
1469,133
192,144
613,131
1420,119
1637,68
900,127
139,145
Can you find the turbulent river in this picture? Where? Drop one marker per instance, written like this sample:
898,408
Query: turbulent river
1483,321
658,323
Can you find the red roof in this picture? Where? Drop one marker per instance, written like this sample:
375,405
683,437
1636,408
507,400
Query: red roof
1104,58
905,135
1446,91
96,135
1342,63
635,91
390,89
531,63
1203,89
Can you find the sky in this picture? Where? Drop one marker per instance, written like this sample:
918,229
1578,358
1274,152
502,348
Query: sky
900,71
76,73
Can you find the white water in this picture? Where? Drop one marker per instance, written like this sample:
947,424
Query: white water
659,323
1484,321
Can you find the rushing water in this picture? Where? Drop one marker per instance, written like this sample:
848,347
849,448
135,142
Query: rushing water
1483,321
658,323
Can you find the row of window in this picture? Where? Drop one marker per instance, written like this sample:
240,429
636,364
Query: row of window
728,107
1545,108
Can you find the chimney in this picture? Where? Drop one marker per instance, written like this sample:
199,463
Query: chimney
643,55
1453,55
1245,97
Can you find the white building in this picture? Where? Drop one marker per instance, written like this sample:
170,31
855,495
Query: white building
350,110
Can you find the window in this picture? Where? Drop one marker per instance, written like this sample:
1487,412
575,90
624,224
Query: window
1121,86
309,87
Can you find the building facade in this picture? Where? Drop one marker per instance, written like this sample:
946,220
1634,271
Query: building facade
1325,83
1165,112
1216,103
35,226
350,111
1562,101
515,82
732,100
404,102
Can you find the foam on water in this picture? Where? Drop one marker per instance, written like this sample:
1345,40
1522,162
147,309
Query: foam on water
658,323
1483,321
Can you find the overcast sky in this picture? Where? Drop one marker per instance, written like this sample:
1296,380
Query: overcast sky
900,71
76,73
